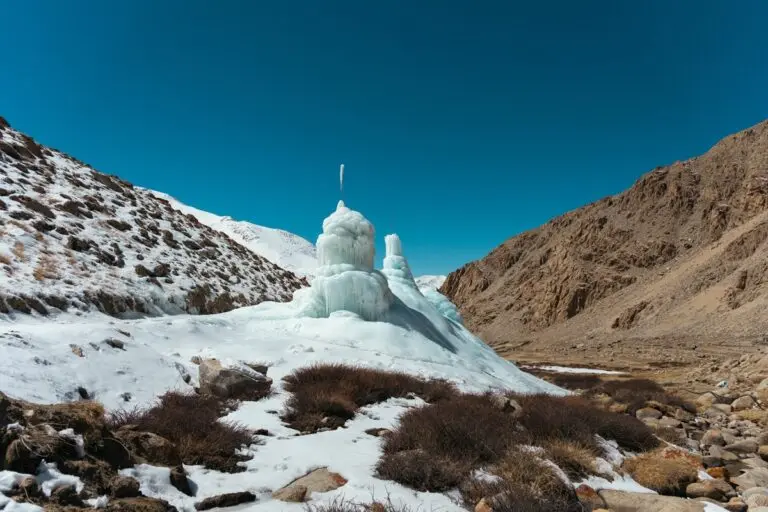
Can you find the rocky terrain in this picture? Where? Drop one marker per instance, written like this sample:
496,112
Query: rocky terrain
74,238
669,272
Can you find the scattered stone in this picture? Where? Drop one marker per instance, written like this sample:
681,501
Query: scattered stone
668,422
226,500
215,379
589,497
718,472
115,343
378,432
753,478
735,505
622,501
757,500
724,408
149,447
179,480
713,437
507,404
742,403
648,413
125,487
744,446
319,480
77,350
706,400
718,490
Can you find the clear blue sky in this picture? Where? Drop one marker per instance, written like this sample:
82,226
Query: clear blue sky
460,123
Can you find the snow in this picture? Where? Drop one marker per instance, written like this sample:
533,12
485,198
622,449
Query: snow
285,249
430,282
568,369
410,334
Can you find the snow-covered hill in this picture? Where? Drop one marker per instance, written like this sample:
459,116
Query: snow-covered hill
282,248
72,237
430,282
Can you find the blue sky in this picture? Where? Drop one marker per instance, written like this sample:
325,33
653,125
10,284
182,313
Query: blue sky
460,123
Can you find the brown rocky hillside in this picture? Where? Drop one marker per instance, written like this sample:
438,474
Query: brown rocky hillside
673,269
73,238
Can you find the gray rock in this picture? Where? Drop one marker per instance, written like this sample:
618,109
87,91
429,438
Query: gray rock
240,383
666,421
725,408
742,403
648,412
754,490
622,501
715,489
713,438
757,500
744,446
752,478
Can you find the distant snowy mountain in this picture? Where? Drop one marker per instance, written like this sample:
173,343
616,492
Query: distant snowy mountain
430,282
74,238
282,248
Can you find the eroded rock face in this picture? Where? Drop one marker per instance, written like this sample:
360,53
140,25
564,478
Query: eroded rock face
694,229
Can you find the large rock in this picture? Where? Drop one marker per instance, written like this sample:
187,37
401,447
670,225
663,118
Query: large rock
319,480
742,403
226,500
622,501
757,477
713,437
125,487
146,447
648,413
743,446
238,382
718,490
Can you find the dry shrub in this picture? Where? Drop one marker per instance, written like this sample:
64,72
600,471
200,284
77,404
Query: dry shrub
666,471
340,504
5,260
18,251
575,459
670,435
527,485
327,395
636,392
758,416
45,269
573,381
192,423
575,419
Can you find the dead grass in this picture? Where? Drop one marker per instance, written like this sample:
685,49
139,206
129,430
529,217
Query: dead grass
758,416
435,447
670,435
45,269
5,259
192,423
327,395
575,459
666,471
18,251
634,393
340,504
527,485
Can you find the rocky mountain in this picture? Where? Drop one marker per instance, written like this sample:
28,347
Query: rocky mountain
73,237
285,249
674,268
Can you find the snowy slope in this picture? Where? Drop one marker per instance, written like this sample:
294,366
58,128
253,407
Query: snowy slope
72,237
430,282
410,334
282,248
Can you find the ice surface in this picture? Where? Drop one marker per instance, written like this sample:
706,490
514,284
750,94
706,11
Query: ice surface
346,279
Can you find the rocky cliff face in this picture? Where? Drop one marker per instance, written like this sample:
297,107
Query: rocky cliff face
74,238
681,252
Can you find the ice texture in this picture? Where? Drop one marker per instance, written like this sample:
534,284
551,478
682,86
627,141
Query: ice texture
346,279
395,265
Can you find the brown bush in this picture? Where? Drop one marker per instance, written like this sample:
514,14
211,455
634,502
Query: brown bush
18,251
192,423
327,395
576,460
527,485
573,381
636,392
666,471
344,505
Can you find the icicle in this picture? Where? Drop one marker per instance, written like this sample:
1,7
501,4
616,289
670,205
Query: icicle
341,180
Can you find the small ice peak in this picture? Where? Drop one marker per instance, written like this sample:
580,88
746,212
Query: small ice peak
394,245
341,207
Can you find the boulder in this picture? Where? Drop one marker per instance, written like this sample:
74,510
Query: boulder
757,477
648,413
762,451
588,496
735,505
668,422
724,408
743,446
148,447
718,490
237,382
125,487
179,480
742,403
483,506
226,500
622,501
319,480
757,500
713,437
706,400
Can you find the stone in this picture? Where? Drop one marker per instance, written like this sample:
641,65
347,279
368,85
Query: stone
195,359
724,408
125,487
483,506
29,486
77,350
743,403
718,490
236,383
757,500
752,478
735,505
754,490
507,404
589,497
226,500
648,412
292,494
66,495
718,472
179,480
706,400
378,432
683,415
711,461
115,343
713,437
622,501
668,422
762,451
724,455
744,446
148,447
319,480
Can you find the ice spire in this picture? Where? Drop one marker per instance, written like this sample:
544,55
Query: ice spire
341,182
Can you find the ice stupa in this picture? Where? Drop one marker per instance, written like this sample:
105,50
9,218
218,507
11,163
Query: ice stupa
345,279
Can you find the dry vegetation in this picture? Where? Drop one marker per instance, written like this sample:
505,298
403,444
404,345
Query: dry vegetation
18,251
5,259
192,423
666,471
327,395
45,269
